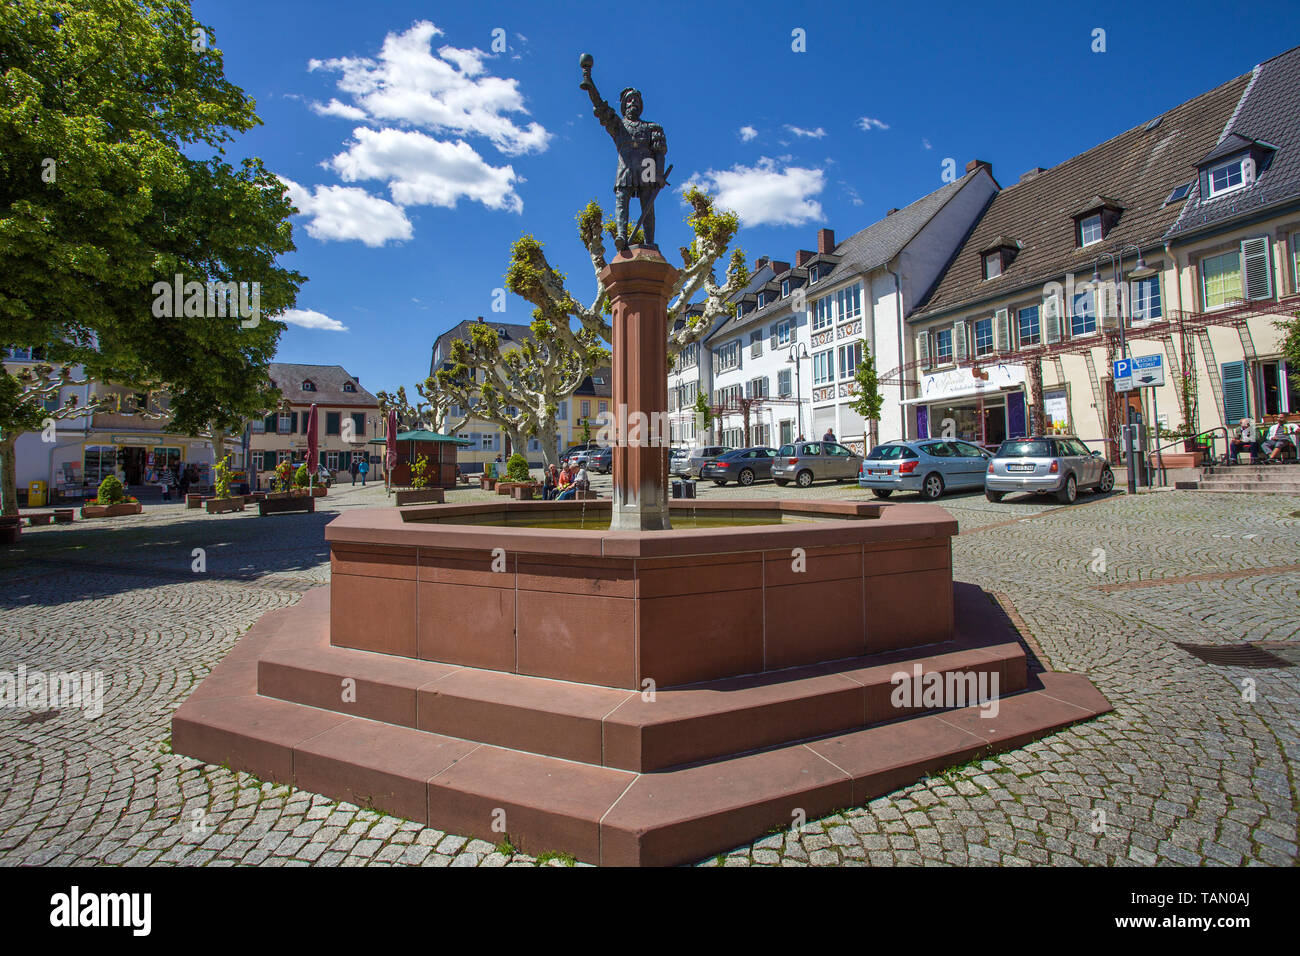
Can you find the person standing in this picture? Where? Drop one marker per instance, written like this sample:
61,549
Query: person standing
353,469
183,480
363,469
829,436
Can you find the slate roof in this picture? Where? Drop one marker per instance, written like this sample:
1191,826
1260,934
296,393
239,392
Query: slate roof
513,332
1268,112
603,389
861,252
328,379
1137,169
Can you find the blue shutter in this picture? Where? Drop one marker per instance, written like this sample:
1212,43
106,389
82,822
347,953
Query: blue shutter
1016,415
1234,392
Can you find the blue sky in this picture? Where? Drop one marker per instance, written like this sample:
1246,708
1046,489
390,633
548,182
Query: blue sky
418,154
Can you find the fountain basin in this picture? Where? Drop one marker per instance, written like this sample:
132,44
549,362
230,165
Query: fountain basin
805,582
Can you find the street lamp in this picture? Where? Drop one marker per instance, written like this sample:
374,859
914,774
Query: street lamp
798,352
1140,271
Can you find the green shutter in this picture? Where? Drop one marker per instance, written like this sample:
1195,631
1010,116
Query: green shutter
345,461
1234,392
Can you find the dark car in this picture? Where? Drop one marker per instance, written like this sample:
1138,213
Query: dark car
743,466
701,456
601,460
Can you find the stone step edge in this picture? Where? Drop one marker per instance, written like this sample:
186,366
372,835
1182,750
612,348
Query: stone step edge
549,804
619,729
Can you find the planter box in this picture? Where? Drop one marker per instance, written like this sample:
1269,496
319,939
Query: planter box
1177,459
112,511
523,492
43,518
420,496
193,501
216,506
285,504
585,496
486,483
63,515
10,530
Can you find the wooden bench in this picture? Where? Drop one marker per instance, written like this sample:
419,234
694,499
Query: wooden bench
40,518
64,515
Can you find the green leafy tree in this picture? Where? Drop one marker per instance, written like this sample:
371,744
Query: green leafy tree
420,472
106,110
1291,346
703,414
867,399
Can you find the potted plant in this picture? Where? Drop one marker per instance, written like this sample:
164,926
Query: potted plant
489,478
420,492
283,478
223,501
111,501
517,475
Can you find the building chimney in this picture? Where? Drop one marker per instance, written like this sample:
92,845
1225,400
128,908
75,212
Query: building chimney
801,256
760,262
890,212
1032,174
780,267
975,164
825,240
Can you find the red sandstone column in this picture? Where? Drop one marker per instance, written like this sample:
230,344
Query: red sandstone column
639,282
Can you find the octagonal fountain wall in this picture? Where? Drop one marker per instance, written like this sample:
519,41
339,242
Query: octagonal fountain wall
764,585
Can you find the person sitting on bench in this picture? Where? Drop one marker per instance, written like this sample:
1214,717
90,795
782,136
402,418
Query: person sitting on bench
1276,440
1245,441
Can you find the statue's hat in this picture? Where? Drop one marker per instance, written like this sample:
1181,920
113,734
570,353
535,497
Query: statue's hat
623,97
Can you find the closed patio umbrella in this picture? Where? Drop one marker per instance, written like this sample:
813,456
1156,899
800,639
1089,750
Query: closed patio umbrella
313,447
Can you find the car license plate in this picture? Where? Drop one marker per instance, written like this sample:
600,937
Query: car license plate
877,471
1020,467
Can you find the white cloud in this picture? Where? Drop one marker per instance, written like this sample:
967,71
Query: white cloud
765,194
311,319
345,212
817,133
747,133
926,144
335,108
423,171
867,124
447,93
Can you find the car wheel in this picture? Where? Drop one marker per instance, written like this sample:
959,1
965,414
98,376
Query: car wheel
994,496
804,479
1107,483
719,483
882,492
1070,492
779,482
746,477
932,487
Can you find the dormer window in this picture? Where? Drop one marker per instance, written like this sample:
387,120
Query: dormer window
996,257
1226,178
1090,230
309,386
992,264
349,387
785,287
1095,219
762,299
814,274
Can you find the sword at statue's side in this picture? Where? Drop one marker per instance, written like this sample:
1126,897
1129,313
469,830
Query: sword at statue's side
658,187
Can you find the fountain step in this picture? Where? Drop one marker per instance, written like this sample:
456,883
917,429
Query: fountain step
602,814
619,728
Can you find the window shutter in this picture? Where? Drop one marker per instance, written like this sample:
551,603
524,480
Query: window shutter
1234,392
1258,277
923,349
772,337
1052,319
1002,330
959,341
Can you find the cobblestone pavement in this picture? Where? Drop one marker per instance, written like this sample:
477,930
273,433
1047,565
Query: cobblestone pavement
1188,769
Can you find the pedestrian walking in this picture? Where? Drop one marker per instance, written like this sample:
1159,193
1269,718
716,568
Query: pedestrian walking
363,469
353,469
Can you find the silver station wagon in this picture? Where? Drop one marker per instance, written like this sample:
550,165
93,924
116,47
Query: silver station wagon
930,466
1058,465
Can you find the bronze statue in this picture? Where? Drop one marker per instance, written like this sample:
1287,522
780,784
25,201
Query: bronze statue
641,147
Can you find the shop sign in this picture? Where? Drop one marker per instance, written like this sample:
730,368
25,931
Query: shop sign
135,439
956,382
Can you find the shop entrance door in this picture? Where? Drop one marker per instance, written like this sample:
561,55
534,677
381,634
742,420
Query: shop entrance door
133,460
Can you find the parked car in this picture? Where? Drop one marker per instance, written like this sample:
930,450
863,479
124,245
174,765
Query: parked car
1051,464
679,463
928,466
571,455
804,462
701,456
601,460
743,466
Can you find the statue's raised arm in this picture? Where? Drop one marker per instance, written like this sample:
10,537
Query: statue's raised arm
642,149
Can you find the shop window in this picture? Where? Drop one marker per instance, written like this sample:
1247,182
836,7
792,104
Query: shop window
332,460
257,461
1028,330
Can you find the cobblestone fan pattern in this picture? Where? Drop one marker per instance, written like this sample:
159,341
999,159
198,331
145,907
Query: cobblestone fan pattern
1187,770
